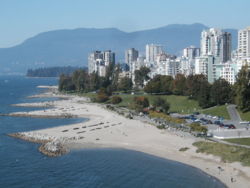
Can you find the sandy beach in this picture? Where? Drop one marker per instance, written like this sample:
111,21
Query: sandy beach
106,128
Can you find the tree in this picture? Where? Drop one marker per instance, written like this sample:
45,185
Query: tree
159,84
141,76
242,87
179,84
125,84
79,78
193,85
166,84
154,85
203,94
66,83
115,77
107,80
221,92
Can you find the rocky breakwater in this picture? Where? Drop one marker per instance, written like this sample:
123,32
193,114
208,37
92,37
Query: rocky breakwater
50,146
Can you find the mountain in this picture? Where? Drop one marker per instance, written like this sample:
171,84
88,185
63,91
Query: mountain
71,47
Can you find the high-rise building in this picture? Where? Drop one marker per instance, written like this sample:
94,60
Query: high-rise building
92,60
191,52
152,50
108,57
98,61
216,43
244,43
131,55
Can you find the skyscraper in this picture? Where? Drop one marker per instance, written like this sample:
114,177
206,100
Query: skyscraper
131,55
216,43
244,43
152,50
108,57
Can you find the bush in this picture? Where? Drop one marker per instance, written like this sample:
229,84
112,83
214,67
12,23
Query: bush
161,104
143,101
101,98
168,118
140,103
116,100
184,149
197,128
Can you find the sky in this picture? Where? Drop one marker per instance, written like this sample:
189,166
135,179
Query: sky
22,19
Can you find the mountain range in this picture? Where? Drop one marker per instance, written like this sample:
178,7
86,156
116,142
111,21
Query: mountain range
71,47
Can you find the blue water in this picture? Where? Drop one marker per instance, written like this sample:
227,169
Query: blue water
21,165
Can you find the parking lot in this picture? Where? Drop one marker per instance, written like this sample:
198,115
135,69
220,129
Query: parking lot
218,127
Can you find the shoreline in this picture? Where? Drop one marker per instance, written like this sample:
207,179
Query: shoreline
107,129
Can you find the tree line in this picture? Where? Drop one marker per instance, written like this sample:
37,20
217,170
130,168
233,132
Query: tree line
198,88
82,81
193,86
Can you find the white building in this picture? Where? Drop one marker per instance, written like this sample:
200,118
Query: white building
216,43
166,66
92,58
187,66
201,65
98,61
191,52
227,71
152,50
244,43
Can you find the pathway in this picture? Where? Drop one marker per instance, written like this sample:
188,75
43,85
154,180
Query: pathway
233,113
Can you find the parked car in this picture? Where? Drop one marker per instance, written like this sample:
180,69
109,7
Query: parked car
217,122
227,126
209,122
231,126
222,125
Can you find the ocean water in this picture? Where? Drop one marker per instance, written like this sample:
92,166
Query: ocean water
21,165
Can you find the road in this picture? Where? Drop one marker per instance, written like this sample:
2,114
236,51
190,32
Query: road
235,117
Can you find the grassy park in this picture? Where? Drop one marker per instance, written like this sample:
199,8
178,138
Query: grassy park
245,116
180,104
217,111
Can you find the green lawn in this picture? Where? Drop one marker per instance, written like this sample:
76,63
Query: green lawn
180,104
244,116
242,141
226,152
217,111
